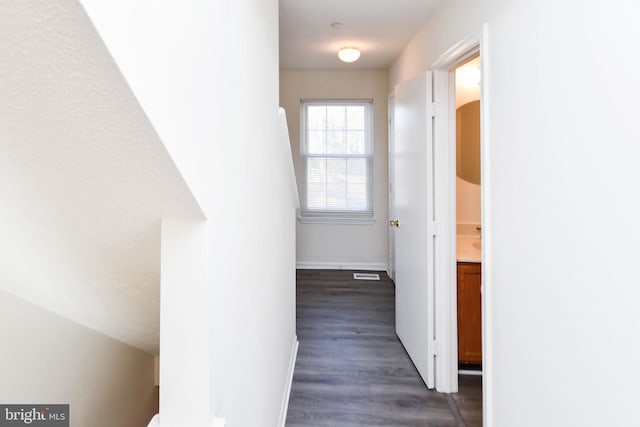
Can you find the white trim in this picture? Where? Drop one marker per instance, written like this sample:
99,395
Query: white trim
335,101
286,148
487,241
366,276
215,422
371,266
446,280
459,52
353,220
287,387
470,372
318,215
446,292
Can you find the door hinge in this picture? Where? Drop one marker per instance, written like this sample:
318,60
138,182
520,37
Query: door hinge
433,109
434,228
434,346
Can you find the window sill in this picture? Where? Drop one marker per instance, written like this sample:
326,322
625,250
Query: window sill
345,220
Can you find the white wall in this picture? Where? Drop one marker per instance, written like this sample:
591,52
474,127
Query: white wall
340,245
216,109
184,325
561,226
48,359
467,89
467,202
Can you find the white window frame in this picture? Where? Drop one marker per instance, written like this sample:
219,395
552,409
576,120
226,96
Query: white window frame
337,216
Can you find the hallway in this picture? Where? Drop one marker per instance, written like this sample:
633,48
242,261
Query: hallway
353,371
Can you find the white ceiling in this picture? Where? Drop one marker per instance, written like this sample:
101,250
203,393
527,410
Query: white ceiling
380,28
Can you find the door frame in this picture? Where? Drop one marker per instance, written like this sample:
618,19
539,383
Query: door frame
445,202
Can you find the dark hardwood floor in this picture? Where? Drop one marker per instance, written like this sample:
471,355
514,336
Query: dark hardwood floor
353,371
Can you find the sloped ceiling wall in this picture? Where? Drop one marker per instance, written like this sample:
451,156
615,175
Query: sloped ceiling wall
84,179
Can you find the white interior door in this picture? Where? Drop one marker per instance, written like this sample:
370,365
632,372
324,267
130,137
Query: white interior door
413,208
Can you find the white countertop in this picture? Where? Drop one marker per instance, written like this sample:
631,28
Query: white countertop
468,248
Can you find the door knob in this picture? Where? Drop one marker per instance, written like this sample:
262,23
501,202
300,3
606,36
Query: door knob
394,223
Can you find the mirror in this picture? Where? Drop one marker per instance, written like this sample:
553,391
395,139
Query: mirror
468,142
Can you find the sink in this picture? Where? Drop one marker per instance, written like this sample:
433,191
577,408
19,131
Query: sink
468,248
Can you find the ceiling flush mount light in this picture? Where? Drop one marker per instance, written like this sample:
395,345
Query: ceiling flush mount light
349,54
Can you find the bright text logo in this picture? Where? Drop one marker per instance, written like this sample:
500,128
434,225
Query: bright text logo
34,415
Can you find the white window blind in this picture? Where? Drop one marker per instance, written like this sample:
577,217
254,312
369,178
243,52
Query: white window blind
337,155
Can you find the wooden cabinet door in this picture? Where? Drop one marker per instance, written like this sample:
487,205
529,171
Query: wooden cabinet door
469,313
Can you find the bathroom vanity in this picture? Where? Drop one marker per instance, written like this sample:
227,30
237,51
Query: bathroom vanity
469,313
469,300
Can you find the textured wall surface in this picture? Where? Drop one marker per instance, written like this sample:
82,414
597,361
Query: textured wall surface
84,179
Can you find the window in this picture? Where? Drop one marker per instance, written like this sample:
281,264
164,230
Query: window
337,155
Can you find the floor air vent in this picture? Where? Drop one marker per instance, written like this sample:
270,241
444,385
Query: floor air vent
366,276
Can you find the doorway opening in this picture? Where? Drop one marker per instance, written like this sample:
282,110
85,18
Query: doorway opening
465,228
468,218
424,221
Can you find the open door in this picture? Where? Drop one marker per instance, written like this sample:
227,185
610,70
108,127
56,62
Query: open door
391,262
412,204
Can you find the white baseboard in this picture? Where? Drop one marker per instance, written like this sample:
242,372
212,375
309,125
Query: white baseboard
287,388
215,422
371,266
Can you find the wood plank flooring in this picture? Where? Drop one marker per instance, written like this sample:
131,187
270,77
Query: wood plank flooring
353,371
